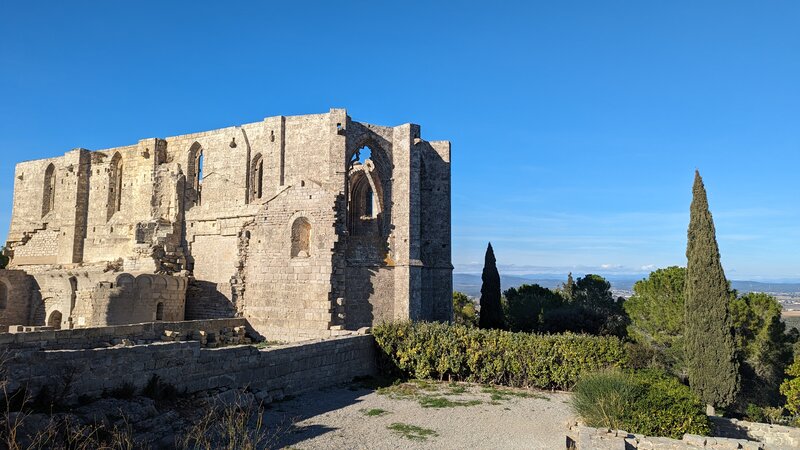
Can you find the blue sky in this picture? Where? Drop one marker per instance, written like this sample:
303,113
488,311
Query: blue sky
576,126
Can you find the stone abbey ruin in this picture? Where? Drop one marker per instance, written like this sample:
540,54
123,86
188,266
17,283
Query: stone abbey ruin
304,226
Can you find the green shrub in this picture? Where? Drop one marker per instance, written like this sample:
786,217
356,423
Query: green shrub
456,352
646,402
602,399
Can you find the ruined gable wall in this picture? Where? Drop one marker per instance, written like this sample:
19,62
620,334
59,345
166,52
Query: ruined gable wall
289,297
370,259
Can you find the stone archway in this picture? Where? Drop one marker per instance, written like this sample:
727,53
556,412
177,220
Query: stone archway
54,320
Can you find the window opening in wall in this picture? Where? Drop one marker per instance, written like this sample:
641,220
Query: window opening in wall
3,295
257,178
160,311
368,203
198,178
260,177
361,155
301,238
49,197
54,320
115,186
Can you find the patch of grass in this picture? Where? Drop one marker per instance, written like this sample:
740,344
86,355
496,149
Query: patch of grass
265,344
408,390
374,412
457,390
412,432
429,401
500,395
425,385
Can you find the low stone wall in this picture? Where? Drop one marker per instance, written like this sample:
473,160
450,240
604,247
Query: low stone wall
141,333
271,372
772,436
587,438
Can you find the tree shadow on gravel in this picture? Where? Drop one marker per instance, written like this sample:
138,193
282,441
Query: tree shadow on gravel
283,416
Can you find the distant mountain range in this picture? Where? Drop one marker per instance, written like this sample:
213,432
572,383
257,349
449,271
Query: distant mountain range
470,283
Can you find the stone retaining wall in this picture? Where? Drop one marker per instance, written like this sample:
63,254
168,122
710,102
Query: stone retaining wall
770,437
773,436
271,372
84,338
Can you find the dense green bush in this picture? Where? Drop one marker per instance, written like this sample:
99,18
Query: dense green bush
435,350
646,402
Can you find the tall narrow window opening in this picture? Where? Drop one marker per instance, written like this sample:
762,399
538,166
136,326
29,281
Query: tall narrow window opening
115,186
49,196
198,179
260,176
160,311
257,178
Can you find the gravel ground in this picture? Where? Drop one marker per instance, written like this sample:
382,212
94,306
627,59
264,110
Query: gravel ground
446,416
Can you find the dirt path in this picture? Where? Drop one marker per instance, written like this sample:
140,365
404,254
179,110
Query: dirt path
423,415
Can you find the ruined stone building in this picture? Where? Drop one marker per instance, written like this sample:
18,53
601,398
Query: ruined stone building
301,224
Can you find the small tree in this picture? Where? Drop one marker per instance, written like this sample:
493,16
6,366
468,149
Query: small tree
710,351
3,258
568,288
527,306
491,315
656,316
464,312
763,346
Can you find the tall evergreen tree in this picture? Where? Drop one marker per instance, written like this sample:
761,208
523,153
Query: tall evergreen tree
491,315
568,288
709,344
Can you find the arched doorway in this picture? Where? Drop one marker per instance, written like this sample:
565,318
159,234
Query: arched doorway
54,320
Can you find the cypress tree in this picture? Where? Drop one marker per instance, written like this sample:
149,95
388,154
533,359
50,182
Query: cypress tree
568,288
491,315
709,345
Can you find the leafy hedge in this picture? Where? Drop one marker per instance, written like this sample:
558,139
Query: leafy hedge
436,350
646,402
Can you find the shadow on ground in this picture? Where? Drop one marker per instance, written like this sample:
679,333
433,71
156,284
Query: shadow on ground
281,417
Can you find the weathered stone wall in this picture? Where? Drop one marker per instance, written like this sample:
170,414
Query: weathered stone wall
282,370
98,337
728,435
303,224
16,291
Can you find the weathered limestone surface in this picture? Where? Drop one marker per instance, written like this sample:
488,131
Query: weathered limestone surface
730,434
304,225
276,371
99,337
